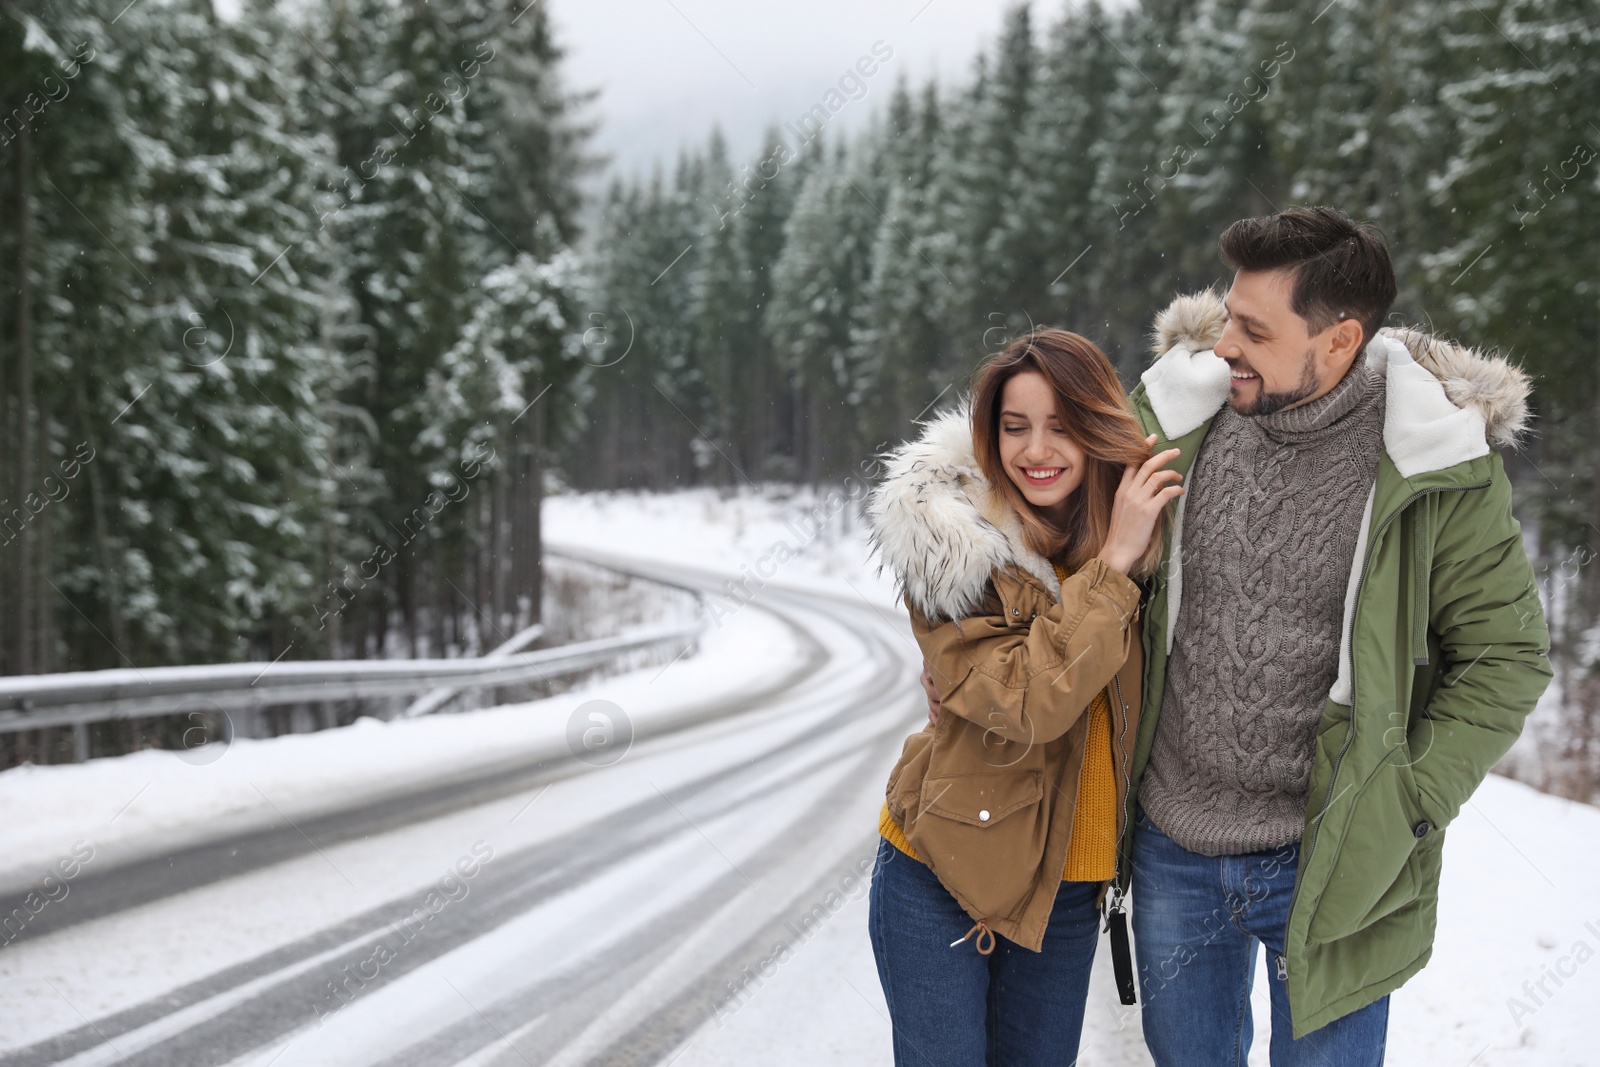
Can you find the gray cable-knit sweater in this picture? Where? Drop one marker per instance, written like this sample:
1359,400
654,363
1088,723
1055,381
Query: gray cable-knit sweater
1273,510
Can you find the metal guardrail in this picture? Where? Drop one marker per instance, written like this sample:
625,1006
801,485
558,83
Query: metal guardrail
438,697
32,702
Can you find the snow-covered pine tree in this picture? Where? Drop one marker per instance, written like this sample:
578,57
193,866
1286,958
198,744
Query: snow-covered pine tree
723,323
1216,164
343,58
1055,209
189,376
1363,135
1009,267
528,195
900,335
818,285
1136,274
636,432
50,260
521,345
1517,266
770,183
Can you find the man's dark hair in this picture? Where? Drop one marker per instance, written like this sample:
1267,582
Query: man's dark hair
1341,267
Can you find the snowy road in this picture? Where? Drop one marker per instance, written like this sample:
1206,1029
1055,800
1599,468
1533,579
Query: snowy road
553,913
460,890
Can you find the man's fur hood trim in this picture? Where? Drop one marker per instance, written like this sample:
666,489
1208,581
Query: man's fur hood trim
941,528
1186,383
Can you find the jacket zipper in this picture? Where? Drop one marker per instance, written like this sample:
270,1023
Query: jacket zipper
1333,777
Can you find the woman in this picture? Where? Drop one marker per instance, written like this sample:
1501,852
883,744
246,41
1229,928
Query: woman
1015,532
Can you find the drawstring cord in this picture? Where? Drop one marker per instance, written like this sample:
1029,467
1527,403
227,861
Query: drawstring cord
980,928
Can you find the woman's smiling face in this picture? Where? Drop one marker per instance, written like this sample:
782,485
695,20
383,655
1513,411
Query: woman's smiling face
1039,457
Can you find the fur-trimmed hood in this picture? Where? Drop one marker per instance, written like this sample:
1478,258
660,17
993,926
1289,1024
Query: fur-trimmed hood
1446,403
939,526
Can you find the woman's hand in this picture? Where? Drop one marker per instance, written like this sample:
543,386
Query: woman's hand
1144,491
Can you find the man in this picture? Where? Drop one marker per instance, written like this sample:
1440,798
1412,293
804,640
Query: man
1346,637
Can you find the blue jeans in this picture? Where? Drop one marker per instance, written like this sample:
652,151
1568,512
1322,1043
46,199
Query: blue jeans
1196,923
952,1007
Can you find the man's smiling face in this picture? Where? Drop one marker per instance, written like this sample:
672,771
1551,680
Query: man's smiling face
1271,357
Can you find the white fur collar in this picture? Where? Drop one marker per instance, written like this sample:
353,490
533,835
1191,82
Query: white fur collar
1446,403
940,527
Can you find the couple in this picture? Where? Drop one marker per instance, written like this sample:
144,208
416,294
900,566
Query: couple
1259,707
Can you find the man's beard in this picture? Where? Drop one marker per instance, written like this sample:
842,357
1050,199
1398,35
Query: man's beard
1267,402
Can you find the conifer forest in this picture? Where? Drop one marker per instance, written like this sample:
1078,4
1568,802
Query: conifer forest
306,308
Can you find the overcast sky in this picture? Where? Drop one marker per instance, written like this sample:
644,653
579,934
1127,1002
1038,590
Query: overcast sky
667,70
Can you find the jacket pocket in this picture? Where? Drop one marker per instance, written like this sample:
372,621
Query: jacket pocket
984,798
1375,871
984,836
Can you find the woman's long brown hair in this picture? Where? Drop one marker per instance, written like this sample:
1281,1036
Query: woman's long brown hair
1094,412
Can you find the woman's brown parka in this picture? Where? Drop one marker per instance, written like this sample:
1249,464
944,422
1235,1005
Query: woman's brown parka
986,797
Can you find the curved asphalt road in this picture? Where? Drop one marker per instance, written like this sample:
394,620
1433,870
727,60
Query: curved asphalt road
791,761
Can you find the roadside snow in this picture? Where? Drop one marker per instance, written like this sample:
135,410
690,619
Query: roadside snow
1515,973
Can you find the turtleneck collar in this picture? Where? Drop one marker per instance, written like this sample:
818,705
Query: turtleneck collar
1358,384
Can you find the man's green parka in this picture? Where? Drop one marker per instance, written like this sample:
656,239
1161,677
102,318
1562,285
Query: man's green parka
1443,653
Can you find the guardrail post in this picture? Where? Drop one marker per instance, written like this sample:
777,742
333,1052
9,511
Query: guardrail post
80,742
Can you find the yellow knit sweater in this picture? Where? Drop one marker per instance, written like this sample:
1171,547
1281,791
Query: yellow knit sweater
1092,854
